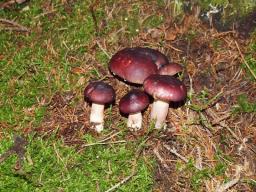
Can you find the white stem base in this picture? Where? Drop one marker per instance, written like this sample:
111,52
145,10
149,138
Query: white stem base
159,113
97,117
135,121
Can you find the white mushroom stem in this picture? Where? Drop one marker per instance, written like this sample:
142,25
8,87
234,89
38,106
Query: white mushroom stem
159,113
97,117
135,121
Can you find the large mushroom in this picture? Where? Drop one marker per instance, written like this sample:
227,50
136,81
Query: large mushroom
132,66
133,103
164,89
157,57
99,94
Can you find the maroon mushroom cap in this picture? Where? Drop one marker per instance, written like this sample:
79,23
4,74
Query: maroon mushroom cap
99,92
134,102
132,66
165,87
170,69
158,58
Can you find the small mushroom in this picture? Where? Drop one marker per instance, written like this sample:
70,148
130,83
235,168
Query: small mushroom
99,93
164,89
133,103
132,66
170,69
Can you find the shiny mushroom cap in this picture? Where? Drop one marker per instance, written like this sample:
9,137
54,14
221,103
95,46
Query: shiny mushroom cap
170,69
99,92
165,88
133,102
157,57
132,66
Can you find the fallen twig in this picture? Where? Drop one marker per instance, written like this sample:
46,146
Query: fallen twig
116,186
11,2
156,152
101,143
6,4
111,136
174,151
226,186
174,48
104,50
15,26
45,13
245,62
220,119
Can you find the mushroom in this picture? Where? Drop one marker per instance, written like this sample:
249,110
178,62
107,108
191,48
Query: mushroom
133,103
99,93
170,69
132,66
163,88
157,57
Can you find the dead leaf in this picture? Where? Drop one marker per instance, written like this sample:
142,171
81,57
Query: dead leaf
77,70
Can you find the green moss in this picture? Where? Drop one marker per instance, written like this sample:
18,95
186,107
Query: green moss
51,166
244,106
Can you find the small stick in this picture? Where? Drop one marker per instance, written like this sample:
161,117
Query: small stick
17,26
6,4
11,2
116,186
45,13
104,50
231,183
199,159
174,151
174,48
156,152
219,119
246,63
223,33
111,136
107,143
101,143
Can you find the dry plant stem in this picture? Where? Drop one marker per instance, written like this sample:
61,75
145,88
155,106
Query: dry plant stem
224,187
97,117
159,113
6,4
106,143
174,151
17,27
156,152
135,121
116,186
245,62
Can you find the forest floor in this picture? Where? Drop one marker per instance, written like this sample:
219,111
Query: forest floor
50,50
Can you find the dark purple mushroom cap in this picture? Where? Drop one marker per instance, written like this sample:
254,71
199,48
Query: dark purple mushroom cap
158,58
132,66
134,102
166,88
99,92
170,69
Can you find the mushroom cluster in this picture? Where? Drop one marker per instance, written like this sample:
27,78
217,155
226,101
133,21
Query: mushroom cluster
144,67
